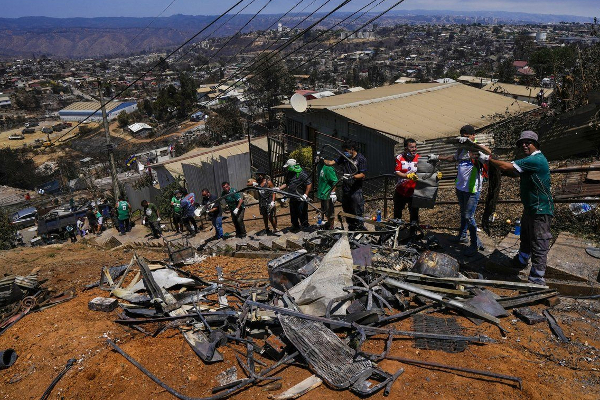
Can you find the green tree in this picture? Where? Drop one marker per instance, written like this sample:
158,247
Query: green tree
7,231
506,71
272,84
123,119
18,170
225,123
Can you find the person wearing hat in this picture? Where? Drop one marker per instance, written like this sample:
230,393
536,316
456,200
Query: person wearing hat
214,212
469,181
298,182
266,201
326,192
177,212
354,165
538,206
151,218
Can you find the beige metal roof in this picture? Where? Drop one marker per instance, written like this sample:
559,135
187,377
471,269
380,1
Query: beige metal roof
90,105
516,90
422,110
205,154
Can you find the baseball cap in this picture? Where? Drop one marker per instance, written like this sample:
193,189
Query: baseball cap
290,163
467,130
531,135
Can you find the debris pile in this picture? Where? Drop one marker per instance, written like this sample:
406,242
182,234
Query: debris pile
20,295
324,311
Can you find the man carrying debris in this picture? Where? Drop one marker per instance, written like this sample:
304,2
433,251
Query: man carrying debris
326,193
469,180
266,201
213,210
354,166
187,214
151,218
177,213
406,171
538,206
298,182
92,220
123,215
235,202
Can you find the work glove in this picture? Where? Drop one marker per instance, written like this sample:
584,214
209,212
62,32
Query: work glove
439,175
211,206
348,177
254,183
483,157
433,157
158,219
236,211
317,159
305,197
144,222
463,139
271,205
412,176
333,197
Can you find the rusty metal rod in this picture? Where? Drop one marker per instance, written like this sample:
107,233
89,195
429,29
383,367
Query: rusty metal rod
453,368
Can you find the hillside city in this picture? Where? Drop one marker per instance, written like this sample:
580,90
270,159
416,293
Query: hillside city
297,195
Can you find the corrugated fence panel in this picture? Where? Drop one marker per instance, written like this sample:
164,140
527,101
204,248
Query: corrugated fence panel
238,167
220,172
163,176
135,196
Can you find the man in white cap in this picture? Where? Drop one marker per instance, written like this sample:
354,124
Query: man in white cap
538,206
298,182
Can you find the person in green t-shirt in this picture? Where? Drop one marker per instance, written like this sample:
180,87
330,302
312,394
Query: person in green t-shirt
151,218
538,206
123,214
177,213
326,193
235,202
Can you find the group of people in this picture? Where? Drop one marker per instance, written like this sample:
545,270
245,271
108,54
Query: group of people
535,192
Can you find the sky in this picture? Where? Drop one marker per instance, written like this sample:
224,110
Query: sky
154,8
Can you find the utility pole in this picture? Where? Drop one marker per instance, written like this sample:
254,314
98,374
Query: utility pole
109,146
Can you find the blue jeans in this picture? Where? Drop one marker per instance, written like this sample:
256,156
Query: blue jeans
468,204
217,222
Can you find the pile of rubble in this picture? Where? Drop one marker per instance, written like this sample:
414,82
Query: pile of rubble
319,310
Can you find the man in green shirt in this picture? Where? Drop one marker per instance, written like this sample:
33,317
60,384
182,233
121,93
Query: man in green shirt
538,206
235,202
326,193
123,214
151,218
177,213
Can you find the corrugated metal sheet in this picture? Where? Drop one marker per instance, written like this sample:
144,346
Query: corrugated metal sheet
516,90
423,111
135,196
441,147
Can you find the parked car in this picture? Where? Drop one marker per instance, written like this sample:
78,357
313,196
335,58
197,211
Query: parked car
28,130
47,129
24,218
16,136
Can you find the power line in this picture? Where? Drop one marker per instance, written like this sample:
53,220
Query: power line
153,67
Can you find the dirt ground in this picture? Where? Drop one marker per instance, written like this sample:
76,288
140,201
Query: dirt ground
45,341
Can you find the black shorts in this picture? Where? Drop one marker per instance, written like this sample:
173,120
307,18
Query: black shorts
327,208
264,210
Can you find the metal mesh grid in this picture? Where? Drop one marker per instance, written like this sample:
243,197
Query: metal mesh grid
447,326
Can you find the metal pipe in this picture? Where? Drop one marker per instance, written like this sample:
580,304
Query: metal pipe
453,368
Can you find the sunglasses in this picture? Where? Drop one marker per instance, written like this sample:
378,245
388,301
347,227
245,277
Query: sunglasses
526,142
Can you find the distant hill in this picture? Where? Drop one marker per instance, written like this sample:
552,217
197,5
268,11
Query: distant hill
102,37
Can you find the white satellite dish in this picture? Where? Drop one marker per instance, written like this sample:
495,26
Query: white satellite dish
299,103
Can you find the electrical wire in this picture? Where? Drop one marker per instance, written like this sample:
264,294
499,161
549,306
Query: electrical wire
153,67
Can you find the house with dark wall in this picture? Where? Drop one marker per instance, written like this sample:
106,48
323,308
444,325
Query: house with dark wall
380,119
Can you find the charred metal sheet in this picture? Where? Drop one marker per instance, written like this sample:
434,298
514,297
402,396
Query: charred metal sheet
431,324
436,264
274,347
528,316
554,327
201,345
527,298
362,255
485,301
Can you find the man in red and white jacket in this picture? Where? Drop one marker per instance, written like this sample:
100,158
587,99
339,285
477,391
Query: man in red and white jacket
406,168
